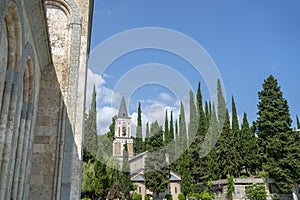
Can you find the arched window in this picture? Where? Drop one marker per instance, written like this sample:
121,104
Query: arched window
140,189
175,190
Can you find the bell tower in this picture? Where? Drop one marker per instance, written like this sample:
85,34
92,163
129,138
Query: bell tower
122,132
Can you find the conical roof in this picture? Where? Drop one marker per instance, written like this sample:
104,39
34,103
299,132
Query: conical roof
122,109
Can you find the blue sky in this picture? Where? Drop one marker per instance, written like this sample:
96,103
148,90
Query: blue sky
247,40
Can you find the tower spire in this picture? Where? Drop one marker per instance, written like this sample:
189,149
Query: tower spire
122,109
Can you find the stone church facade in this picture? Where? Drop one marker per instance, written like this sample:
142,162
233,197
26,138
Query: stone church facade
44,45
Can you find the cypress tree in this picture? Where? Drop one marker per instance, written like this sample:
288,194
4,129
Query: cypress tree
147,136
156,174
213,165
298,123
201,117
166,129
101,183
184,159
221,106
226,153
138,142
235,122
249,148
207,116
90,131
126,182
193,124
195,139
236,135
172,144
280,144
182,129
171,131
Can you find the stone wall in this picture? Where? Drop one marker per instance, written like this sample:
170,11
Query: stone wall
42,94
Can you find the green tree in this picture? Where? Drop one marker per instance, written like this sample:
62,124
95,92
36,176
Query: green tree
249,147
166,129
298,123
226,153
197,164
184,164
111,133
156,173
221,106
213,165
88,179
201,116
126,182
279,143
182,130
236,136
101,183
147,136
138,142
90,131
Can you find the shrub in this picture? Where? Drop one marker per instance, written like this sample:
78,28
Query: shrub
169,197
194,196
256,192
181,196
148,196
137,197
206,196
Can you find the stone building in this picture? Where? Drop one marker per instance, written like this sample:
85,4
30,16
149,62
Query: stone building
137,162
44,46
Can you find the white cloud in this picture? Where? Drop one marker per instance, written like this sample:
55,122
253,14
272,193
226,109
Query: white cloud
92,79
104,118
166,97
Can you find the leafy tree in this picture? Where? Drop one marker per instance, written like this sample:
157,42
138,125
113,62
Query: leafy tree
279,143
90,131
156,174
126,182
256,192
138,143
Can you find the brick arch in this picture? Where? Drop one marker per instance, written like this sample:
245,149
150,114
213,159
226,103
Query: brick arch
8,108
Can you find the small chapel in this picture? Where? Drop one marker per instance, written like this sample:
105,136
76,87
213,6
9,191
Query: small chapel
137,162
